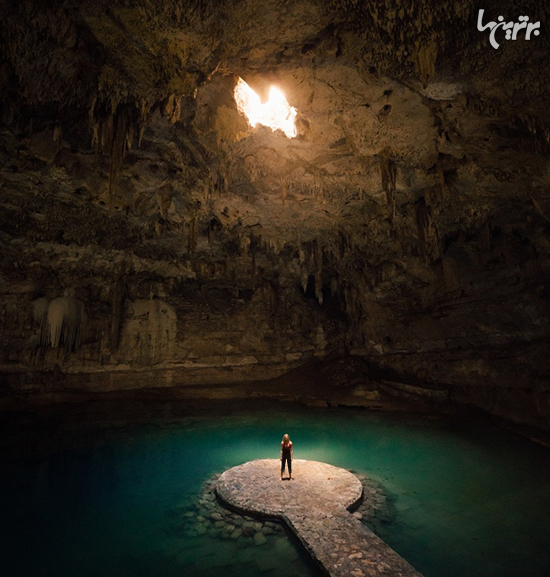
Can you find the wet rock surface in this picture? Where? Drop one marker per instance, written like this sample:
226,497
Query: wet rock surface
315,506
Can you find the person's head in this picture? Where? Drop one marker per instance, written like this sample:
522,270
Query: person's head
286,439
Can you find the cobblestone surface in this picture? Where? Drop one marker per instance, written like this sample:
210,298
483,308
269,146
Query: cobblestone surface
315,506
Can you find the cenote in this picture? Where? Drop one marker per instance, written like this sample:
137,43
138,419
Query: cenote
464,499
225,221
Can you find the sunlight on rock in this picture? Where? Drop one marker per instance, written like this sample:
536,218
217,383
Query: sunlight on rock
275,113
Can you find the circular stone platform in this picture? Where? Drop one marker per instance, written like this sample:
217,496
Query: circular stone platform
315,506
256,487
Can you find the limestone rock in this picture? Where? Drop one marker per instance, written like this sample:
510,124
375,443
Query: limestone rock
405,226
259,538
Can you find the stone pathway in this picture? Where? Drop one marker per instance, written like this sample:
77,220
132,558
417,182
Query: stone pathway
315,506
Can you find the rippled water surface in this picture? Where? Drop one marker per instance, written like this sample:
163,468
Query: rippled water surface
466,500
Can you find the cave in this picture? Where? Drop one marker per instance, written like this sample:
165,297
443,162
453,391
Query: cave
222,222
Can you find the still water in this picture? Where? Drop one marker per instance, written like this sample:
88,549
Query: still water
467,501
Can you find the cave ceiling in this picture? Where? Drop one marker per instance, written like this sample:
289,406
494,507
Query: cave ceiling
416,186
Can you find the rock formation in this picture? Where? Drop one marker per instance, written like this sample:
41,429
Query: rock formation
146,225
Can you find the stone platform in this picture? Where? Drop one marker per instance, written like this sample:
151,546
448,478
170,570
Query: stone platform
315,506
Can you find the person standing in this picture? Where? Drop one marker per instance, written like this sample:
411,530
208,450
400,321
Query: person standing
286,456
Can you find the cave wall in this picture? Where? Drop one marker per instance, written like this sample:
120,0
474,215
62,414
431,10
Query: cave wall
407,223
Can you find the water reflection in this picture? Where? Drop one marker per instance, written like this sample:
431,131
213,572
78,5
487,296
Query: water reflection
465,500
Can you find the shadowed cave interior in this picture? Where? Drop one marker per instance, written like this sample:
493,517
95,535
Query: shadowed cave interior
162,258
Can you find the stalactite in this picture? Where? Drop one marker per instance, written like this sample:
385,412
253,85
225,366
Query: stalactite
388,171
96,139
40,316
426,55
427,234
348,300
273,245
274,296
117,151
539,209
118,294
319,287
342,243
171,108
91,111
129,137
213,226
105,139
305,278
301,256
61,321
315,254
245,242
334,286
192,239
539,139
253,269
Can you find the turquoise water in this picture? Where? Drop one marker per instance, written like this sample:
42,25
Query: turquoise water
468,501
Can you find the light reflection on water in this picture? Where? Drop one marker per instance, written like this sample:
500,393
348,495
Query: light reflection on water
468,501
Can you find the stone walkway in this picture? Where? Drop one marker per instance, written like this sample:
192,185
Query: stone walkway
315,506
